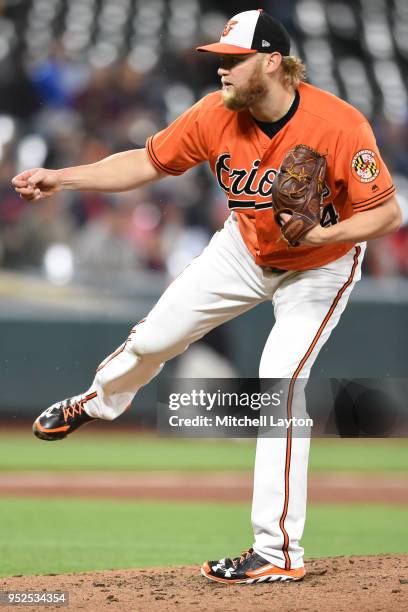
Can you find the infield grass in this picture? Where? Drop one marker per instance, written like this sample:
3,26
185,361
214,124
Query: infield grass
40,536
87,451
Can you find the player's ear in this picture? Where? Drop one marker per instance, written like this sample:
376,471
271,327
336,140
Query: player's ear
273,61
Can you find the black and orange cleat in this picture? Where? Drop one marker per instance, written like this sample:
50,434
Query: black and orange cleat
249,568
62,418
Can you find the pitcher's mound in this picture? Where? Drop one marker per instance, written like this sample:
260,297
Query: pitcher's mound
367,584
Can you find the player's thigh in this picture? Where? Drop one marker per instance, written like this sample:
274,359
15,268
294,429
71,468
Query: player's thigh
308,307
216,287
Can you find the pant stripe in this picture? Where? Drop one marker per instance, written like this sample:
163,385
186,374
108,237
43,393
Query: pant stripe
120,349
301,365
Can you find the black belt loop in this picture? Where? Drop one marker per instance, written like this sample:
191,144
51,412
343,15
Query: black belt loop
274,270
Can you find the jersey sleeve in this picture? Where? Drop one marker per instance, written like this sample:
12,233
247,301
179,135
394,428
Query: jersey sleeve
367,178
182,144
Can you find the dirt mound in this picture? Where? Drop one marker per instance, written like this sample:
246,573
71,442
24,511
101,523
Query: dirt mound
377,583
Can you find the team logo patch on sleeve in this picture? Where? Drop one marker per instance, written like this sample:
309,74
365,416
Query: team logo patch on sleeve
365,166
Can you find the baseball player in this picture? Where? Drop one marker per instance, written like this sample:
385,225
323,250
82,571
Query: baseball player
245,132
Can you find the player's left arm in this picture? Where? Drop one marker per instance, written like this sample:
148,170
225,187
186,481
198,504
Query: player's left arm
373,223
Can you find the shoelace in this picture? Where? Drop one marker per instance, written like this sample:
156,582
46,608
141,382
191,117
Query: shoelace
244,555
71,410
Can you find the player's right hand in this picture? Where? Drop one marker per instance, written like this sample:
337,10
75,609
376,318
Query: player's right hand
38,183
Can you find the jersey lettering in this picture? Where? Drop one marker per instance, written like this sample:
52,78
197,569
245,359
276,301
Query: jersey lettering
237,177
266,182
247,186
329,215
222,171
239,181
326,191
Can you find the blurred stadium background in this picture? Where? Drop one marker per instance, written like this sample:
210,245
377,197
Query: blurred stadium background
81,79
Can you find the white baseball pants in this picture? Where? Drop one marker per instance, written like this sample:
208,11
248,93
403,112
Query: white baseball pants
220,284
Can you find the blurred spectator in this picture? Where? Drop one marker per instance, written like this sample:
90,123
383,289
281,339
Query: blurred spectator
17,94
102,248
388,256
56,79
26,231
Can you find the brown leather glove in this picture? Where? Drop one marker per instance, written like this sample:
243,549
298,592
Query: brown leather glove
297,191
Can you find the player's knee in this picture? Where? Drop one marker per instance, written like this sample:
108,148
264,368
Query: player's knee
150,342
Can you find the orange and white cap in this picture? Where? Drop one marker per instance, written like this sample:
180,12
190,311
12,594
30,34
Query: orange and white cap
251,32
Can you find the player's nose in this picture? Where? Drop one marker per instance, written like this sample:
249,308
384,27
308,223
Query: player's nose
222,71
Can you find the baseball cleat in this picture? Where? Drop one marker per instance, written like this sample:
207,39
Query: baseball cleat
62,418
249,568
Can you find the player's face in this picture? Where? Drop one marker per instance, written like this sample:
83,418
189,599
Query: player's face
243,81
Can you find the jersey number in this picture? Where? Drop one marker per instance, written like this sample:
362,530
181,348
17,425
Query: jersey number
329,215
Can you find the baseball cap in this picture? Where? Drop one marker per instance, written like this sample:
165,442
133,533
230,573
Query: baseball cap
251,32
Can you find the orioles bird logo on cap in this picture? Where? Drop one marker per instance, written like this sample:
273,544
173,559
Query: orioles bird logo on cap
231,23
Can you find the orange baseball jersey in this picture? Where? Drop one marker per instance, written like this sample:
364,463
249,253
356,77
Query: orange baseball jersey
245,161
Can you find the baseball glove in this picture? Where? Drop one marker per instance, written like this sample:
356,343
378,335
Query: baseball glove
297,191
